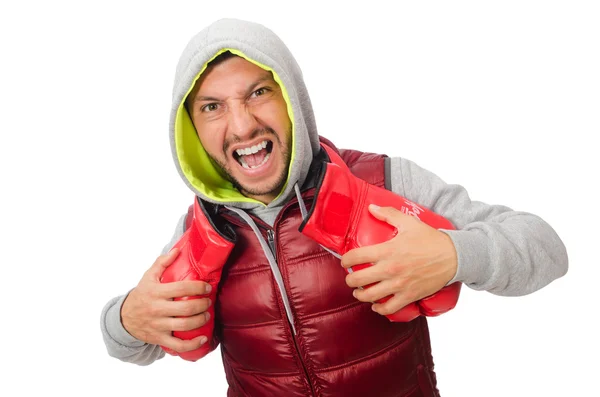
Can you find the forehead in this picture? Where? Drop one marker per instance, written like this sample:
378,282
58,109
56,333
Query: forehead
233,73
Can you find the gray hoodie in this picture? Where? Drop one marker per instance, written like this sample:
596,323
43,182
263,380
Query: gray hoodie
499,250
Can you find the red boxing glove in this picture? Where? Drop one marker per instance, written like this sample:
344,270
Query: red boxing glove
342,198
203,252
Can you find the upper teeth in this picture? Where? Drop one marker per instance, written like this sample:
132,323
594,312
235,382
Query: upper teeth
251,150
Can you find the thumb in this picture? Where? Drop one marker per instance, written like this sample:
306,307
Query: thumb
389,215
162,262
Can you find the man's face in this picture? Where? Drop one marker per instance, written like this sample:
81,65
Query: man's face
242,121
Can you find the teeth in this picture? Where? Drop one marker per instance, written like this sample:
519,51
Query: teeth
266,158
262,162
251,150
251,167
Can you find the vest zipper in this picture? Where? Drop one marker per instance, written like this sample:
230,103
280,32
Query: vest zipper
271,240
273,247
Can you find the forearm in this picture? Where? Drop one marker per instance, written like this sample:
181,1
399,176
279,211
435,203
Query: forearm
499,250
119,343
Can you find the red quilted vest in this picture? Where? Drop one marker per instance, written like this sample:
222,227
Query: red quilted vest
342,348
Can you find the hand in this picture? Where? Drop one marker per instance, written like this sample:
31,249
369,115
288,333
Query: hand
417,262
150,314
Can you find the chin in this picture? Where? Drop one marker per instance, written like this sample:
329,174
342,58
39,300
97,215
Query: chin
268,188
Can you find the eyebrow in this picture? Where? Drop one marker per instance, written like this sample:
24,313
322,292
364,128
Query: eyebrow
266,77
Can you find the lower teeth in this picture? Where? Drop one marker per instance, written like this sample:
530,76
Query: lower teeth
251,167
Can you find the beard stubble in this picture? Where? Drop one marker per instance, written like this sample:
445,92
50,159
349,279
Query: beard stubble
276,187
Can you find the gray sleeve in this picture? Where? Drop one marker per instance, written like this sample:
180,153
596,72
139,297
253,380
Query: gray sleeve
505,252
119,343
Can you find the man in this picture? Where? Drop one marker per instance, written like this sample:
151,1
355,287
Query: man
288,319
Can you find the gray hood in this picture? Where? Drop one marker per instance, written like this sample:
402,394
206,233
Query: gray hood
262,47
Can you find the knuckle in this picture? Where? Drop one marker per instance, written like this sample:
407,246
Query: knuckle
190,308
196,288
177,324
189,289
378,296
364,295
386,309
348,258
374,293
399,284
180,346
179,290
389,271
410,295
153,326
202,305
393,269
190,323
193,344
186,346
197,306
350,280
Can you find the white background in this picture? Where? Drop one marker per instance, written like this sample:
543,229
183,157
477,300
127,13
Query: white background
500,97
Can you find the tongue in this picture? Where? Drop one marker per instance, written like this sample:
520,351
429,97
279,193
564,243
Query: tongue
255,159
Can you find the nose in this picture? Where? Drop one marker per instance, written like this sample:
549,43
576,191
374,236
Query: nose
241,121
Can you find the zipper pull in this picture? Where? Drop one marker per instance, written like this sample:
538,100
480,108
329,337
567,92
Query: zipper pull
271,240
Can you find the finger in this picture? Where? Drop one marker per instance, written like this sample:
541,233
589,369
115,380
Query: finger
186,308
368,254
390,215
188,323
161,263
180,345
179,308
368,275
391,306
377,291
185,288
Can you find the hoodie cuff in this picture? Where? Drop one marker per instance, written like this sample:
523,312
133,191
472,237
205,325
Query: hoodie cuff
115,328
473,257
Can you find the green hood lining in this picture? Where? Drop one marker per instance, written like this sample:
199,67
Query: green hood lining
203,175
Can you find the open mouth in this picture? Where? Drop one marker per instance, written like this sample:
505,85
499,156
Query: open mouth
254,156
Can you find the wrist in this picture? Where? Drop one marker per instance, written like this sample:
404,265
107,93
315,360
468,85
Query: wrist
115,327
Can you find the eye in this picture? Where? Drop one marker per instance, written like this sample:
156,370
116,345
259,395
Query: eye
261,91
211,107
